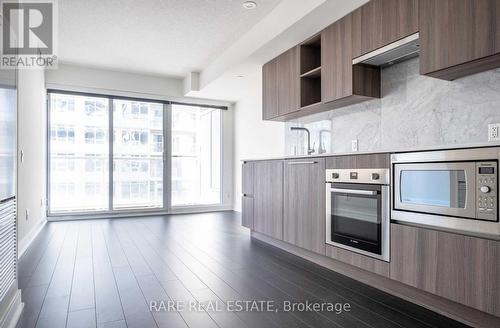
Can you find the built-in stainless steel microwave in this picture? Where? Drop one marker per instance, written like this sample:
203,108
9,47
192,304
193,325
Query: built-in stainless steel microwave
452,189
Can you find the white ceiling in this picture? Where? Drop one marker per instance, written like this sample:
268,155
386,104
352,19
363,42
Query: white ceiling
161,37
238,69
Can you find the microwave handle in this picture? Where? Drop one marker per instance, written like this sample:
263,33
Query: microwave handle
354,191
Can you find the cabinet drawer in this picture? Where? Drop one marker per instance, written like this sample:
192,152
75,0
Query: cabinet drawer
358,260
247,212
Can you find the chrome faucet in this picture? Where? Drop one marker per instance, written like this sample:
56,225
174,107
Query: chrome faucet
309,149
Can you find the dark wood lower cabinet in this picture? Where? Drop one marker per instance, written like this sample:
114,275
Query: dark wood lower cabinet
460,268
247,211
304,204
247,189
285,200
268,198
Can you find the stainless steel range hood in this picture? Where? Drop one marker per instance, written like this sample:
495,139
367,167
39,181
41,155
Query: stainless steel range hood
398,51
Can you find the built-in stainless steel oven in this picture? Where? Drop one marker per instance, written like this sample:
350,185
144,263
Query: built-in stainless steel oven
452,189
357,211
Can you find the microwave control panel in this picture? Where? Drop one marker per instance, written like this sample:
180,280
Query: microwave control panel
486,191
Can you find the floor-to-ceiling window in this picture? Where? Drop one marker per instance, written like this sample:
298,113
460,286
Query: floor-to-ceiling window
137,154
78,153
196,155
108,154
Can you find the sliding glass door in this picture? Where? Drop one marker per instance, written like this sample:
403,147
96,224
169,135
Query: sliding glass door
137,154
108,154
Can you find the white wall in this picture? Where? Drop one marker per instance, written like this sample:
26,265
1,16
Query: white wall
105,81
31,139
253,137
93,80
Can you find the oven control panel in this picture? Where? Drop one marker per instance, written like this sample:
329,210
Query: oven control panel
369,176
486,191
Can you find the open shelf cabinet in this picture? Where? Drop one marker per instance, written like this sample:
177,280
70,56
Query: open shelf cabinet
310,71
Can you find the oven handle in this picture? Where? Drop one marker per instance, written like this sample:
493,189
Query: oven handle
354,191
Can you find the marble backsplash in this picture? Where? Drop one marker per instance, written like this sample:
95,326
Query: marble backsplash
415,111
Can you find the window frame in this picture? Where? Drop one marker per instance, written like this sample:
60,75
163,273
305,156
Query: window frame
167,159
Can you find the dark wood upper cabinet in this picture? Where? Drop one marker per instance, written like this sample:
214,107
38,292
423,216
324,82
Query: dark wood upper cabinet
459,37
270,90
460,268
288,81
342,82
304,204
380,22
337,60
280,85
268,198
310,72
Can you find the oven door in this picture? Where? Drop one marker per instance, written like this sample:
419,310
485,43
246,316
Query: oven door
358,218
436,188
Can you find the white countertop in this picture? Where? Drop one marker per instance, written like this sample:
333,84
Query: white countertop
400,150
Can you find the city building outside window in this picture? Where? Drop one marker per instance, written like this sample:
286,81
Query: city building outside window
80,154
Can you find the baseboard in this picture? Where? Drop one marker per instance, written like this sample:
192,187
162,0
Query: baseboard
200,209
24,243
13,312
176,210
453,310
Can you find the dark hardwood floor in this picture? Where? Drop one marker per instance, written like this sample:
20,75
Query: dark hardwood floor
104,273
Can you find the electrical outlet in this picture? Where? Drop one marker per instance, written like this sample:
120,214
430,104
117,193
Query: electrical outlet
27,214
354,145
494,132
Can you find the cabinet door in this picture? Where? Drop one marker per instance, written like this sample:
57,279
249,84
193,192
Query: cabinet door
380,22
460,268
268,198
304,204
336,60
454,32
247,179
270,90
247,211
288,81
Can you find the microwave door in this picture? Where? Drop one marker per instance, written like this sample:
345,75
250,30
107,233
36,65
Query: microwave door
436,188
